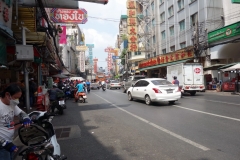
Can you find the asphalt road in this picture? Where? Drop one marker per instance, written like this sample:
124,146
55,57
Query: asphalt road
203,127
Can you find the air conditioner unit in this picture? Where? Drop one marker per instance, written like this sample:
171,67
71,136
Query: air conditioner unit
24,53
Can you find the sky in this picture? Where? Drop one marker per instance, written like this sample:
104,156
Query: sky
99,31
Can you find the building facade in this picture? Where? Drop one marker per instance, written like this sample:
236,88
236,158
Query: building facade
174,25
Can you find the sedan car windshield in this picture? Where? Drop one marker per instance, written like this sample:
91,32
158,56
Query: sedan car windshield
160,82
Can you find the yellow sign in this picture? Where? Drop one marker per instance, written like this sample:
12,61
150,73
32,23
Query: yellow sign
81,48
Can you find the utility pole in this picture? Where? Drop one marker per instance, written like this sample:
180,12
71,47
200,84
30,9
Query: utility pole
27,96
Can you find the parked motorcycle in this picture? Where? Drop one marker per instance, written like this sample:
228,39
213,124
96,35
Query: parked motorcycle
40,138
67,92
59,104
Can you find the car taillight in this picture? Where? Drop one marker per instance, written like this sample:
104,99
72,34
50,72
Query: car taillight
32,156
156,90
201,87
111,84
187,87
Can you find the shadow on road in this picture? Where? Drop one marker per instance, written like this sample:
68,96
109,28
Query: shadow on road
87,147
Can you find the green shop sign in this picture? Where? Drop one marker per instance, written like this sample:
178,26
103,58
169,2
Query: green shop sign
224,33
235,1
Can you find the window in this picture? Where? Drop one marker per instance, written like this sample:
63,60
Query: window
136,63
163,35
160,82
182,45
161,1
148,56
154,54
146,11
170,11
154,39
194,19
172,48
137,53
153,22
180,4
162,17
182,25
145,83
164,51
152,6
171,30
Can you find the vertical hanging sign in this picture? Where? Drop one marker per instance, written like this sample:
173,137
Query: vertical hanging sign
82,61
132,26
90,47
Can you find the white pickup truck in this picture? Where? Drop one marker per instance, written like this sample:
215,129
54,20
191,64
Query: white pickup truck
189,75
127,83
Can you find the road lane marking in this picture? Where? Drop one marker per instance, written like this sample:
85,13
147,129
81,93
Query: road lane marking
212,114
216,115
215,101
159,127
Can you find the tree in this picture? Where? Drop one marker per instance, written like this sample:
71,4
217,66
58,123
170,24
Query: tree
124,37
124,52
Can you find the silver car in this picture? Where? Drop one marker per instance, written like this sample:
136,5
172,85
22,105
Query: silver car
114,84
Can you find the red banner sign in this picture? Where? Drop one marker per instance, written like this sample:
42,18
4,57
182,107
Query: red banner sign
78,16
166,58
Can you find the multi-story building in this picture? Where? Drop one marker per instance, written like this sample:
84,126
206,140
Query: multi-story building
172,25
68,48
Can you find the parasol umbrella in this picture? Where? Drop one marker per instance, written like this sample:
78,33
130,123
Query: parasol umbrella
235,67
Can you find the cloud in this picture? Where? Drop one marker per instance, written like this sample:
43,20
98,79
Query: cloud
101,40
100,32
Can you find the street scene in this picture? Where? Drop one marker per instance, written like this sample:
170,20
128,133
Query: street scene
119,80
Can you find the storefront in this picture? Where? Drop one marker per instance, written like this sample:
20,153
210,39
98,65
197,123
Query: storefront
156,67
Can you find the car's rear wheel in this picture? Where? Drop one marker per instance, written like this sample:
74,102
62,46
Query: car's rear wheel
171,102
124,90
130,96
148,100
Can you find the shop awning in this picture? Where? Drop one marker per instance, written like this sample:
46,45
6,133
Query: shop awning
228,65
213,67
164,65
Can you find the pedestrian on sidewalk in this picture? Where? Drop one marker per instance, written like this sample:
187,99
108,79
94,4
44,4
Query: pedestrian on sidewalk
9,99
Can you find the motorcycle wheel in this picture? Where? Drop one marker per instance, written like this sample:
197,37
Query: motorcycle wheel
60,110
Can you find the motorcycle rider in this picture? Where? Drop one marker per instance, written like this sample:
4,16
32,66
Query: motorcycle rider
53,95
9,99
88,86
103,84
80,88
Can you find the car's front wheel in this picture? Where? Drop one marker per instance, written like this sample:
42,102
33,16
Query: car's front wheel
148,100
130,96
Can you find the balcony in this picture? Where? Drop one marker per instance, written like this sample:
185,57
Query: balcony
137,57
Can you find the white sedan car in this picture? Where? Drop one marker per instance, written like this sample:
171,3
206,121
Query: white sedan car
154,90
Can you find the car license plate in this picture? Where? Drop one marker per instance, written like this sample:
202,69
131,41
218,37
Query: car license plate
170,91
61,102
84,96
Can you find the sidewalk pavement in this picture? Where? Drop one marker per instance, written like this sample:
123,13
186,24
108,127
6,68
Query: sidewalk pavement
221,93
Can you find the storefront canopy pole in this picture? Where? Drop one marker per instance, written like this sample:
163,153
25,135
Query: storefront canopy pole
26,72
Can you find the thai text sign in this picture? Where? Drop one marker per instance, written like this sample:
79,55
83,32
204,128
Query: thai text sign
132,26
224,33
78,16
166,58
82,61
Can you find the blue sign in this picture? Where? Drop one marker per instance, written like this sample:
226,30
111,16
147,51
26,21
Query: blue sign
90,45
115,57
